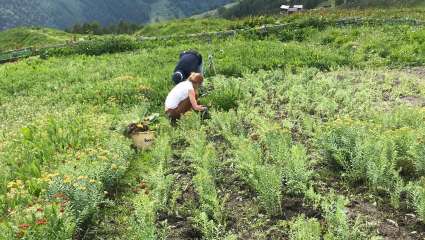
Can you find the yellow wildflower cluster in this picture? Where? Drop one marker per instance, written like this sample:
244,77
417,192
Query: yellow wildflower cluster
403,130
124,78
144,89
114,167
48,177
83,178
16,184
16,188
112,99
76,182
67,179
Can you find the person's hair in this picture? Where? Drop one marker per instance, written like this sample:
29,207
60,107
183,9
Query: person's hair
196,78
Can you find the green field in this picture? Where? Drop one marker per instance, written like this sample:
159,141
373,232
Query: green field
316,132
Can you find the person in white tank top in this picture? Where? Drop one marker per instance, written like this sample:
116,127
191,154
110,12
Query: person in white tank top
182,98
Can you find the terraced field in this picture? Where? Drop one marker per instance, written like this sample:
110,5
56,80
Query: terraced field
316,132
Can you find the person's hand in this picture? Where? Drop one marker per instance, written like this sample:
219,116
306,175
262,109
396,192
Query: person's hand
202,108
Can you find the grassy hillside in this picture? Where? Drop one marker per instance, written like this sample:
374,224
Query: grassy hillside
191,26
185,26
316,132
32,37
383,3
260,7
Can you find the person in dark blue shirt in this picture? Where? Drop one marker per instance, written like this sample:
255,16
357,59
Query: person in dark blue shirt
190,61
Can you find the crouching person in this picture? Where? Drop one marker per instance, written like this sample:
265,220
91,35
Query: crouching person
183,98
189,62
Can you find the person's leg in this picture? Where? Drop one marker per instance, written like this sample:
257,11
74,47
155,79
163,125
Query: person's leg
175,114
184,106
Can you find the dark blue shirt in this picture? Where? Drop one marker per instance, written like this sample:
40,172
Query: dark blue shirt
189,62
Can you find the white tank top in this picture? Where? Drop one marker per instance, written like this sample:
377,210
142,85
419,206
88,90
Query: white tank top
179,93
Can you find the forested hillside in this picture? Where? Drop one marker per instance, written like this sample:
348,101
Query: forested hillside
64,13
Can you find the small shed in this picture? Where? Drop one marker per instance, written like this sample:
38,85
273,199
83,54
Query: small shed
286,9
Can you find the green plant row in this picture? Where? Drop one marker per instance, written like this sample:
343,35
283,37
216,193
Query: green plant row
209,218
385,154
155,196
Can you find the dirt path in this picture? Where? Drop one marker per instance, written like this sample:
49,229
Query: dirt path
390,224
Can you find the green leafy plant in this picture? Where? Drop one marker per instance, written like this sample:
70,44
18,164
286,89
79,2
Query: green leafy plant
305,229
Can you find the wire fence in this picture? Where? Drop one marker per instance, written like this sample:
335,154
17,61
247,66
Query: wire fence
27,52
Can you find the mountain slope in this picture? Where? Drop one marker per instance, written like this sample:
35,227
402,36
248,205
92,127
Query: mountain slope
64,13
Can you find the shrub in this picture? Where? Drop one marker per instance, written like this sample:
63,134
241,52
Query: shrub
418,154
305,229
278,144
49,221
296,172
96,47
144,217
204,158
265,179
226,93
381,172
336,218
416,193
150,201
210,230
210,203
340,143
267,182
363,156
44,143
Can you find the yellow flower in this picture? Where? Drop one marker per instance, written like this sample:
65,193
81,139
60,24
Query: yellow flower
82,188
52,175
11,184
92,181
82,177
66,179
19,182
114,167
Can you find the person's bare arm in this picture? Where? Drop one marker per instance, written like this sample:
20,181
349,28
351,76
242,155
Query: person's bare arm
192,98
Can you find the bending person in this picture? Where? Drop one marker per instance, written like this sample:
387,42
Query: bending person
183,97
189,62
